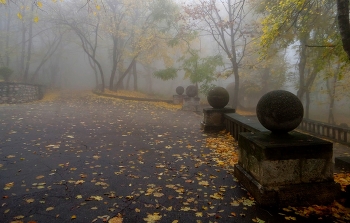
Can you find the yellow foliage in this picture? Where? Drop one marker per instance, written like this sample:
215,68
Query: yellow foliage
39,4
223,148
125,93
36,19
3,2
19,15
135,94
50,96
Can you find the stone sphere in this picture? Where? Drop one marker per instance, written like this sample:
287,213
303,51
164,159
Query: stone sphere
191,91
218,97
180,90
280,111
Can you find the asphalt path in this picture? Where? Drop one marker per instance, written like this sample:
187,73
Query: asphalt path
85,158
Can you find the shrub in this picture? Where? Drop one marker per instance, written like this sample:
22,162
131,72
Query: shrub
5,73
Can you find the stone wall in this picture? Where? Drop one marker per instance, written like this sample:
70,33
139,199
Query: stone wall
13,93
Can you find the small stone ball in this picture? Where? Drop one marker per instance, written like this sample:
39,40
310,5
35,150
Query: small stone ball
218,97
191,91
180,90
280,111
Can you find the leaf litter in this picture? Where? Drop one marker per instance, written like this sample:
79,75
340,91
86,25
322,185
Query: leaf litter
222,152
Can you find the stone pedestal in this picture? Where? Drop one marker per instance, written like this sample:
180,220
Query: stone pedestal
190,103
290,169
178,99
213,118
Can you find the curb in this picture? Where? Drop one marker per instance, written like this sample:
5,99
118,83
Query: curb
133,98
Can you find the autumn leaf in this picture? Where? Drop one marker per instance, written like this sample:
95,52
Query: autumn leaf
36,19
248,202
117,219
50,208
290,218
258,220
19,15
151,218
217,196
9,185
79,182
3,2
19,217
156,194
203,183
39,4
199,214
30,200
185,208
97,198
73,217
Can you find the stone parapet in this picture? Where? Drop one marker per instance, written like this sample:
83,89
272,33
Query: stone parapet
288,169
15,93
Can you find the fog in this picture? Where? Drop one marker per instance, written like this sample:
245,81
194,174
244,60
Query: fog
115,45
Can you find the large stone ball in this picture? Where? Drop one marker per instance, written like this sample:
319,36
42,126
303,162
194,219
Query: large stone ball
218,97
180,90
191,91
280,111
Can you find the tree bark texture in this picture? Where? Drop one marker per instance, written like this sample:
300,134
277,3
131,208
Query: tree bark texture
344,24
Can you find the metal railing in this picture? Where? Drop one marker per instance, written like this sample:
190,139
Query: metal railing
332,132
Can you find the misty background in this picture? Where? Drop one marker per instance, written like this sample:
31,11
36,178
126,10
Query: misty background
153,46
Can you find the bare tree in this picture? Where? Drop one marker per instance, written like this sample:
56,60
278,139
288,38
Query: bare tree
224,23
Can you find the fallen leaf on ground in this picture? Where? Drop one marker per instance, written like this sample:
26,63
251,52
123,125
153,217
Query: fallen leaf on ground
152,217
9,185
117,219
30,200
50,208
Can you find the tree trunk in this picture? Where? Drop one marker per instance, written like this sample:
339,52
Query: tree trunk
307,104
233,57
115,63
52,49
23,47
343,23
29,50
331,93
121,78
127,87
134,72
301,67
93,66
8,25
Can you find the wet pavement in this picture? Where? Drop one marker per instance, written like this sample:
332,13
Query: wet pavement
85,158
